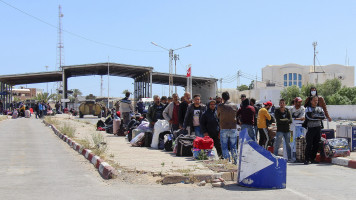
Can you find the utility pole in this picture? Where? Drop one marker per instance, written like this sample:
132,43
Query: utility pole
170,64
314,45
175,57
108,81
47,82
220,86
101,85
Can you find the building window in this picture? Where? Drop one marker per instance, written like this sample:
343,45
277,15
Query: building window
285,83
295,76
300,84
299,77
294,82
290,83
290,76
285,77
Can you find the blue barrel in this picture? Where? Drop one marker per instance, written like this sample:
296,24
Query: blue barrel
257,167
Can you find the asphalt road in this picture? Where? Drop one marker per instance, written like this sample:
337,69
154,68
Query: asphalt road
35,164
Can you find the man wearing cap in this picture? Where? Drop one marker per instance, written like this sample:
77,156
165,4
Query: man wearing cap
298,116
263,115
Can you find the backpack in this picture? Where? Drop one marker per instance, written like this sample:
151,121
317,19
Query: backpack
168,142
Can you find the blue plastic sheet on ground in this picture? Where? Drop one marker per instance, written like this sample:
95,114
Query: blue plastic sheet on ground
257,167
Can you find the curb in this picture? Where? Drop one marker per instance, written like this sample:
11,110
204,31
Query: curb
347,162
196,178
105,170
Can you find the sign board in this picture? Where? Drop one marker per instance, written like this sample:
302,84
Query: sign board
65,100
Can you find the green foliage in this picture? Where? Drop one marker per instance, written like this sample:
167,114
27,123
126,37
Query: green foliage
242,88
44,97
290,93
124,92
67,129
337,99
348,92
252,85
328,88
90,96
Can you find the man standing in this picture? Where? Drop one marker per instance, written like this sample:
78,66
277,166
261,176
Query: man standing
283,119
155,112
314,116
298,112
246,113
253,104
126,109
183,108
263,115
193,115
209,124
228,133
170,113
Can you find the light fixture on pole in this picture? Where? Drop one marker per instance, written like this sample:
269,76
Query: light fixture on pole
170,64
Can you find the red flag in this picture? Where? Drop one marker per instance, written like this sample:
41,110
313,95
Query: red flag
189,72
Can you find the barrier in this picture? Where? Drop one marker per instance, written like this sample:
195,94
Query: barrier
257,167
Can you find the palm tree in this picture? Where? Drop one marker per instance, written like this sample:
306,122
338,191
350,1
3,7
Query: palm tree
76,93
44,97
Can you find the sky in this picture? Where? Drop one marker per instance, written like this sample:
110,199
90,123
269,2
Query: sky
226,36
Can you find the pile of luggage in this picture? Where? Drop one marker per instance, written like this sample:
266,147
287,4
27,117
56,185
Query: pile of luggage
178,142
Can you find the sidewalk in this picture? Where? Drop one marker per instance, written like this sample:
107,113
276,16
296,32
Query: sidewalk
145,160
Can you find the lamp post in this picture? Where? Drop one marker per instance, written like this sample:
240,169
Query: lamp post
171,56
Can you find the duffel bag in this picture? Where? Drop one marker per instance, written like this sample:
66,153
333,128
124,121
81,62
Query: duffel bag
185,145
203,143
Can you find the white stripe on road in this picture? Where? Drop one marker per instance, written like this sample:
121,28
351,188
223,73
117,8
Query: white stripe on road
300,194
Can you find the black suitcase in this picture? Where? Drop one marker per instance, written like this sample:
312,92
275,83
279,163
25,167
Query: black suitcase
168,142
161,139
148,139
185,145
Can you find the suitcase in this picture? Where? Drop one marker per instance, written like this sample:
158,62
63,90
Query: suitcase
116,126
138,141
148,139
329,133
161,139
180,132
337,147
185,145
15,114
27,114
300,148
168,142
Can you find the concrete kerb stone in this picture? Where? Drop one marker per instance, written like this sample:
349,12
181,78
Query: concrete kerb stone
340,161
352,164
105,170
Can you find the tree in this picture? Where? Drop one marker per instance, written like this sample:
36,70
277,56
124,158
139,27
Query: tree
124,92
90,96
252,85
242,87
290,93
76,93
44,97
337,99
328,88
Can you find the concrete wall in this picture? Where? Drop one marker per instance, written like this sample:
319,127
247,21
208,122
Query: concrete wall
205,91
342,112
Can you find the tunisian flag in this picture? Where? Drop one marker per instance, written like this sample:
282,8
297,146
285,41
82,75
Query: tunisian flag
189,72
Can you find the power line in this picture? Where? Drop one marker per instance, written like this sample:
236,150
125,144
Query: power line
74,34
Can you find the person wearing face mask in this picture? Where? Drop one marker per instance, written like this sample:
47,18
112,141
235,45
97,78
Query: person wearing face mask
321,102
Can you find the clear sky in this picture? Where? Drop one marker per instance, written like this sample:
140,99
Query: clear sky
226,36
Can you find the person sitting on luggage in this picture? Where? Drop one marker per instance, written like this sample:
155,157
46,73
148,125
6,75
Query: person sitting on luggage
209,124
284,119
155,112
314,116
193,115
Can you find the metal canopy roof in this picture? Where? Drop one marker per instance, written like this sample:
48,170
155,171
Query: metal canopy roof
40,77
179,80
116,69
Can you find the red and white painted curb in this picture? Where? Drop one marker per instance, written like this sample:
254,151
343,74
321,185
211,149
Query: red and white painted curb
105,170
347,162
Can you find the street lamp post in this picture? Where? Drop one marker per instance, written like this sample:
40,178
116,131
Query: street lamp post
171,57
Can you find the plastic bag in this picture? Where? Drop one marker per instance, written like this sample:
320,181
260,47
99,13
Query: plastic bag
160,126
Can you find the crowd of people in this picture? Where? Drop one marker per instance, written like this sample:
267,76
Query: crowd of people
219,117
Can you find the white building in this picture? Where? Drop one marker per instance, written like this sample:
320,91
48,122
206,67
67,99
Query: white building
294,74
277,77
